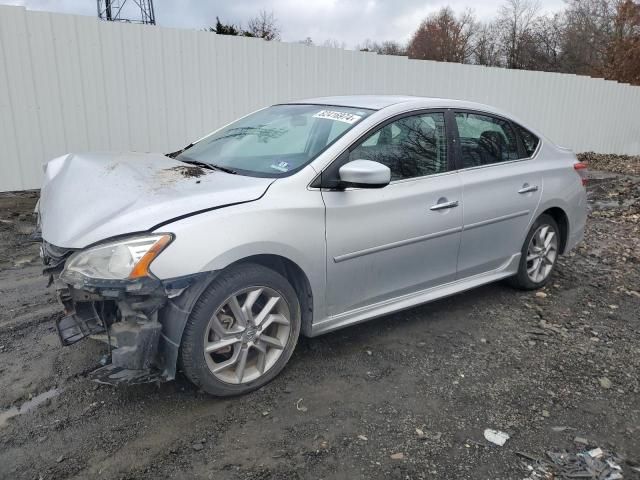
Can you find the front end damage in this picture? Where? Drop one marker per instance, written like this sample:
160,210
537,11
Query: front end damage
141,320
104,210
125,316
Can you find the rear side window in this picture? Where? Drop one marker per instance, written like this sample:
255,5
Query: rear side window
529,140
485,139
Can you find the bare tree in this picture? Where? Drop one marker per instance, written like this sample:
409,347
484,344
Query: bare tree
545,49
391,48
444,36
333,43
367,46
264,25
588,32
387,47
307,41
486,46
515,23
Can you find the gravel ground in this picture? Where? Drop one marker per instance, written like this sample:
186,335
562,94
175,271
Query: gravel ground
407,396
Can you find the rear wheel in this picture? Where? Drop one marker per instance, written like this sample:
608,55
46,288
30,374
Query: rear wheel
539,254
242,331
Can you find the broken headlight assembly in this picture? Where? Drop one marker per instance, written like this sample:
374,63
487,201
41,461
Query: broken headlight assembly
125,259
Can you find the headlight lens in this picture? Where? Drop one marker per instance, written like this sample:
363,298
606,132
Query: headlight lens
128,258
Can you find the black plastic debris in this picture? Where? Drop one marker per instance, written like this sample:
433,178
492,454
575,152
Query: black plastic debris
591,464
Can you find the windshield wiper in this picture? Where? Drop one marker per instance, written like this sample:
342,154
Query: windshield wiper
199,164
223,169
178,152
209,166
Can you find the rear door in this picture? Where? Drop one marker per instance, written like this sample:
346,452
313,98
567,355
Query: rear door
387,242
501,191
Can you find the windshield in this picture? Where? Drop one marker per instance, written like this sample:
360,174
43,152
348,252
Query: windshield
276,141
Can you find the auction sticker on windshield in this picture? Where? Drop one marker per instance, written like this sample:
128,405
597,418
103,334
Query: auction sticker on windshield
282,166
345,117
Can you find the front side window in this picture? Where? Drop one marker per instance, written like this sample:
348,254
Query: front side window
485,140
412,146
276,141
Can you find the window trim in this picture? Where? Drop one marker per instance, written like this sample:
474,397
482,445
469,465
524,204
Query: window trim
521,149
316,183
524,150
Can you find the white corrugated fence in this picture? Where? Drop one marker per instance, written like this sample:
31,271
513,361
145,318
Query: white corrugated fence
72,83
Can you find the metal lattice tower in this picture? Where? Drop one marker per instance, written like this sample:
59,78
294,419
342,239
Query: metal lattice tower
131,11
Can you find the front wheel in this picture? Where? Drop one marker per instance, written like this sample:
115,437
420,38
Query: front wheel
241,332
539,254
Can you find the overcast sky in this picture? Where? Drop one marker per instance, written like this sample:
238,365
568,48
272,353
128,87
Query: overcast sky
348,21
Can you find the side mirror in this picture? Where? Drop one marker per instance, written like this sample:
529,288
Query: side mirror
364,174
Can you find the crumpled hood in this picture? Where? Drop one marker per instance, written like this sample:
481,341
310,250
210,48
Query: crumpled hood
89,197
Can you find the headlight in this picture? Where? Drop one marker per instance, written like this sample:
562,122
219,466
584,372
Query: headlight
128,258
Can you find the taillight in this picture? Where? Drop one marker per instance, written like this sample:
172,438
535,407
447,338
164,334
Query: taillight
581,168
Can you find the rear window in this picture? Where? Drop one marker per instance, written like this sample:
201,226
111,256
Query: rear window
529,140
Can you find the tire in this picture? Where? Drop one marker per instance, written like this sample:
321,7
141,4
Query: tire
524,280
241,326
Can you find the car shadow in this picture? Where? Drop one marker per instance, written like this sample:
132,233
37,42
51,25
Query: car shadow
455,308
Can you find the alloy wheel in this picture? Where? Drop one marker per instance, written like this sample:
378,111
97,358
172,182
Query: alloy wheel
542,253
247,334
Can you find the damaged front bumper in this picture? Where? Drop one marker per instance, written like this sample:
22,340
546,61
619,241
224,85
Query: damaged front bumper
125,315
141,321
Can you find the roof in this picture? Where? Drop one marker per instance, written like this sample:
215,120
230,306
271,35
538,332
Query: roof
378,102
374,102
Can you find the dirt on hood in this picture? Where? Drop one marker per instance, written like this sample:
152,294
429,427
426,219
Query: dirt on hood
192,171
88,197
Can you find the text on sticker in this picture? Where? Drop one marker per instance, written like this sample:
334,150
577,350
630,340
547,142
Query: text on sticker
282,166
349,118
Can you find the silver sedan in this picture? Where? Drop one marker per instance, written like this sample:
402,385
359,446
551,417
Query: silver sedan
304,218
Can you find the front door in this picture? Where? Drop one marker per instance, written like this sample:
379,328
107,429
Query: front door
384,243
501,192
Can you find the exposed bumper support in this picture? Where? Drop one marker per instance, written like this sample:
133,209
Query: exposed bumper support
112,375
137,344
80,323
143,323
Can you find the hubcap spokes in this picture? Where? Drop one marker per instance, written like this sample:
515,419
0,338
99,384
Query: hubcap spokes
542,253
247,334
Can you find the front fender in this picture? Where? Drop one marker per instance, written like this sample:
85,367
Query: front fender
281,223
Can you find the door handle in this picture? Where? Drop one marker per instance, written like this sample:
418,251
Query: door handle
443,205
526,188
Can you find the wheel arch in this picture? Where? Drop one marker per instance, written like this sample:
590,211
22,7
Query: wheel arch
562,219
175,314
295,275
